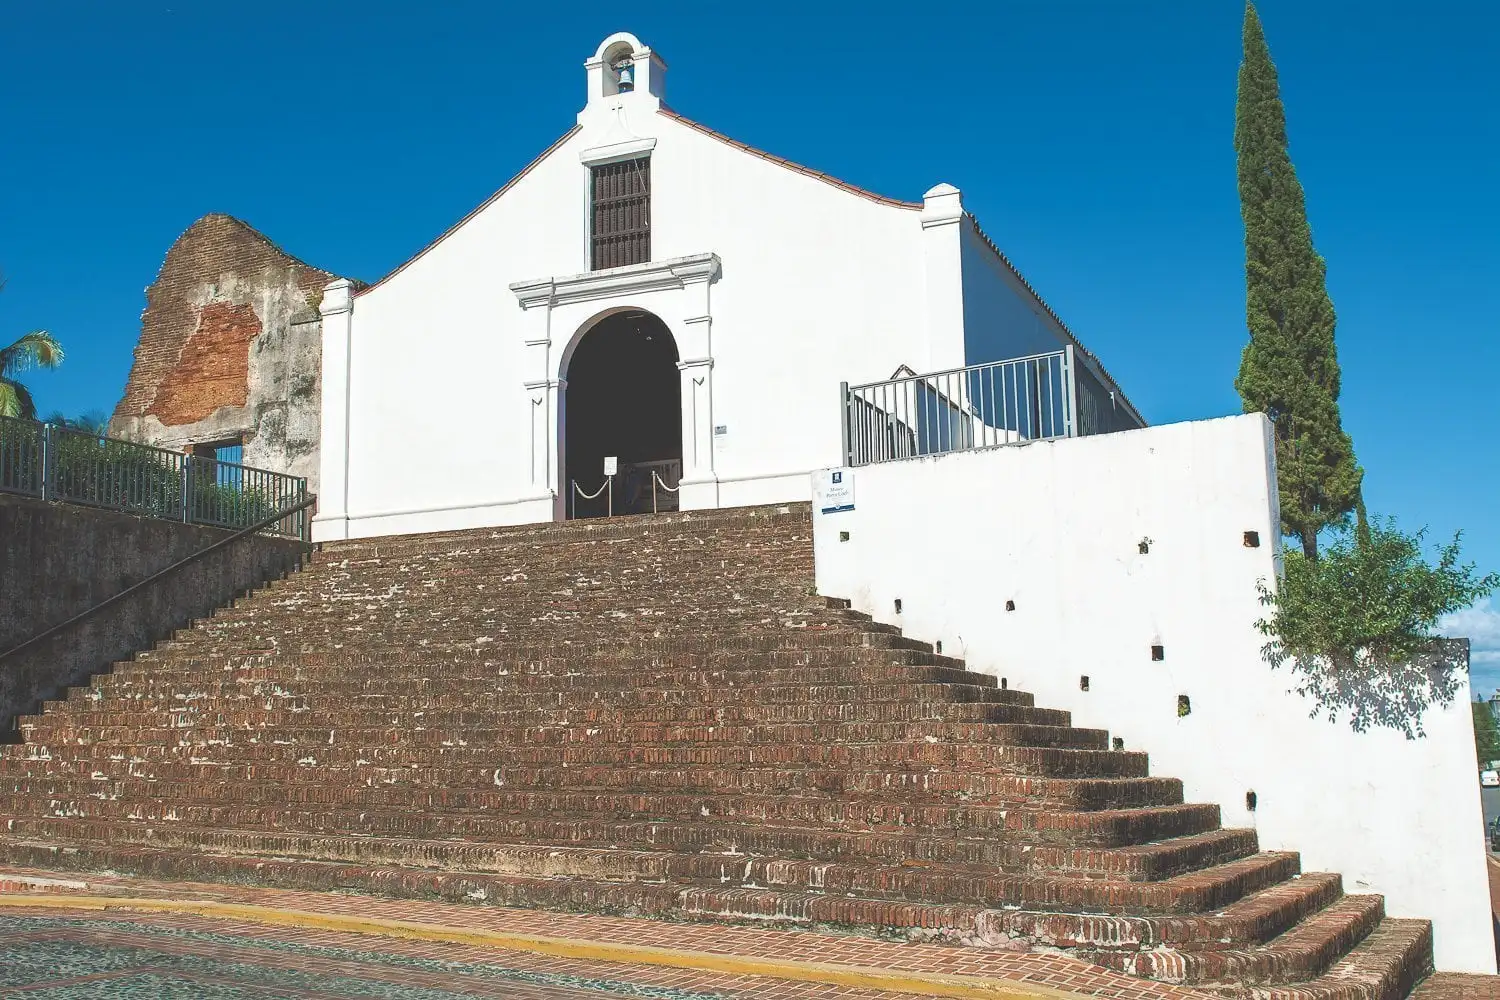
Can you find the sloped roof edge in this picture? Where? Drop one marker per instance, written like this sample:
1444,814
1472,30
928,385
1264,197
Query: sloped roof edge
477,209
1037,298
783,161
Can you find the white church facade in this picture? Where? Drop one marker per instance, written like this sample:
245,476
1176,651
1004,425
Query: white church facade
648,291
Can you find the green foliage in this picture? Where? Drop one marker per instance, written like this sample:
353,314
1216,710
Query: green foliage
227,505
92,422
1486,735
1357,625
37,349
1290,368
87,468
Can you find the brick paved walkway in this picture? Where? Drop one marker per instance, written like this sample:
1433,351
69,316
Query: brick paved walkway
245,942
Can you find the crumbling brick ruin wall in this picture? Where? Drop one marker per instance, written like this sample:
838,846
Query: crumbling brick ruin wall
230,349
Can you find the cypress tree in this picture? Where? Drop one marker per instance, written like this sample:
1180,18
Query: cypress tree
1290,368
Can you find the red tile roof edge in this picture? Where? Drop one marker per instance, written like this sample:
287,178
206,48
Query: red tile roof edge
985,239
477,209
817,175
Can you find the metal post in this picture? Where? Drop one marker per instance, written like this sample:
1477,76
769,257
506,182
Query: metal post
572,500
848,456
610,500
187,482
1070,390
46,471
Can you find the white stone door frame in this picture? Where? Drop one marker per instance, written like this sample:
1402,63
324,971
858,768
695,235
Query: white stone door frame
560,310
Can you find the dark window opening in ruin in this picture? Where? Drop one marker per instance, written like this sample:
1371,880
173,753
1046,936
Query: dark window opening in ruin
623,401
218,460
620,213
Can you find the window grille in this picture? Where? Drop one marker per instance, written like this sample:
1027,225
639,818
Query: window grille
621,213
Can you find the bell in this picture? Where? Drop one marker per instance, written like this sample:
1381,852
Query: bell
626,83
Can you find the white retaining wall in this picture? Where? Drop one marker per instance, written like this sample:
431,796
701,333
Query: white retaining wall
1056,527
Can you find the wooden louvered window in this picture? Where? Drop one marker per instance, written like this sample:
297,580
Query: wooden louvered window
621,210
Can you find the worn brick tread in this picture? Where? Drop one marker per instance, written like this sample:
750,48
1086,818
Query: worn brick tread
1386,965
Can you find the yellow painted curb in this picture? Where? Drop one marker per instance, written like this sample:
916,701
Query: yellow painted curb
921,984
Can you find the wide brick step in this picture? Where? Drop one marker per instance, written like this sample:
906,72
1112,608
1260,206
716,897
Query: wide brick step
422,602
947,882
910,786
413,672
295,712
403,685
486,597
525,691
58,728
1104,828
433,665
1304,951
1054,762
1149,861
327,713
784,523
534,646
867,835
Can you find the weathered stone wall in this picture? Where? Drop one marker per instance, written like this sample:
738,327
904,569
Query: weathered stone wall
57,561
230,348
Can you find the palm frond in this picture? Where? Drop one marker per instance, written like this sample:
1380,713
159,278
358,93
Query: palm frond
16,401
38,349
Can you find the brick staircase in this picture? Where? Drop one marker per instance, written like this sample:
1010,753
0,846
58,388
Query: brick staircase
657,716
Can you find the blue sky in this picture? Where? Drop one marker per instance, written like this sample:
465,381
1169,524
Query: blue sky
1091,138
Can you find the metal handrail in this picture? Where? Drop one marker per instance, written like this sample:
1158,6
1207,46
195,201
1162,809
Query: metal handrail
914,377
57,463
1058,394
306,502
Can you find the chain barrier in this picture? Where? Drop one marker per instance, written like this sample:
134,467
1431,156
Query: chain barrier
575,493
659,481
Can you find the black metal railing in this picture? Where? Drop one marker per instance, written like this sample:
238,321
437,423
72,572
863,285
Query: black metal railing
51,462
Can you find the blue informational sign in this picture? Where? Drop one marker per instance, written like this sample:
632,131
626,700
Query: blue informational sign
836,491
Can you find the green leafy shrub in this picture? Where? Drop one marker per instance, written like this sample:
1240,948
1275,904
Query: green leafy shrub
114,474
1357,625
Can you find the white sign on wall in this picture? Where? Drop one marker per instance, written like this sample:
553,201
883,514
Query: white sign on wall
611,465
835,491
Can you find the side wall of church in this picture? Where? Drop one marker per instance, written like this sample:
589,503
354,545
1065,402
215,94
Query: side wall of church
229,350
819,285
1002,320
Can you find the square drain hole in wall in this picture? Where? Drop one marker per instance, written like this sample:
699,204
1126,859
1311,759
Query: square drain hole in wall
1158,653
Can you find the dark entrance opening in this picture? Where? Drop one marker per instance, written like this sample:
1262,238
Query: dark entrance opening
624,399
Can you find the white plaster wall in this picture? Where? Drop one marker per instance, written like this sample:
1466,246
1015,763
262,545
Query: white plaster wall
818,285
436,402
1055,527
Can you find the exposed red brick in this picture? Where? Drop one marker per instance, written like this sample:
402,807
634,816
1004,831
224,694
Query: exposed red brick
191,317
212,369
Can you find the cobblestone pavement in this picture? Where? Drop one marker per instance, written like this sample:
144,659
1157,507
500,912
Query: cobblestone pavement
123,937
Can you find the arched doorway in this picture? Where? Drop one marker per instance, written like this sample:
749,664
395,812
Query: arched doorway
624,399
